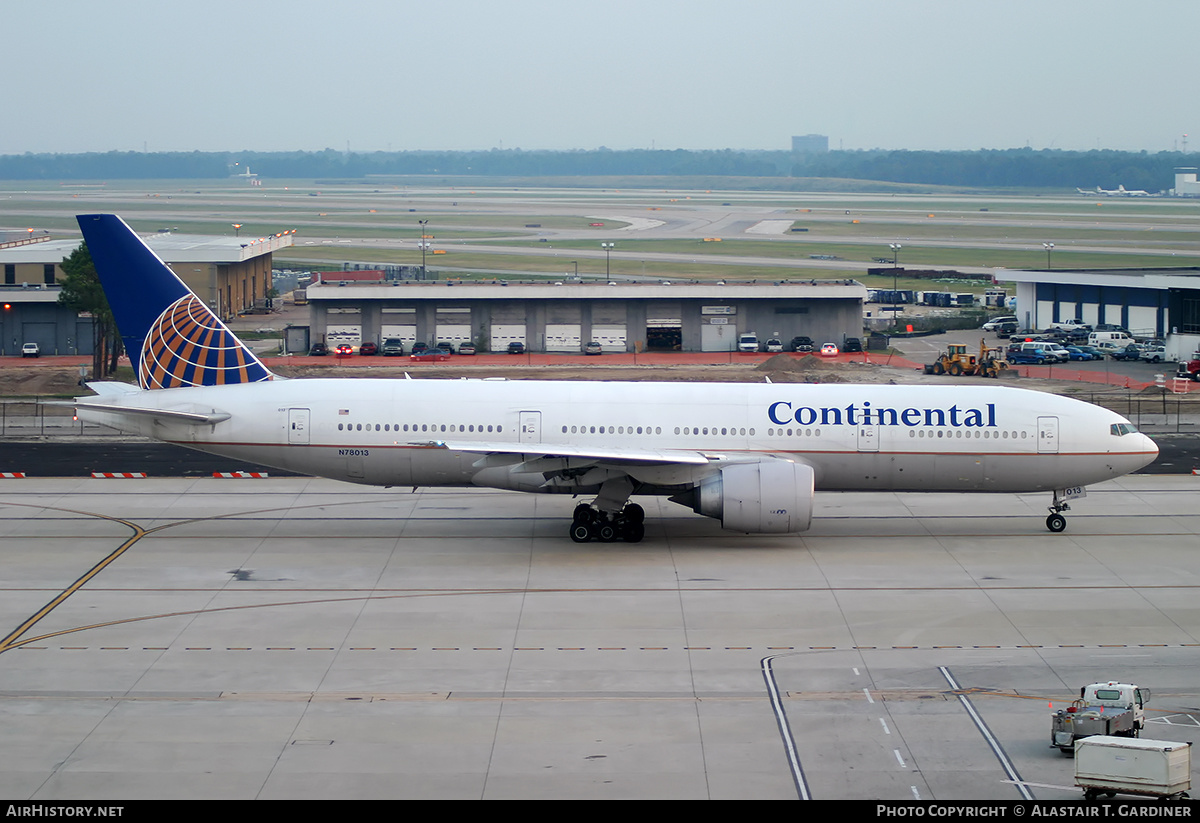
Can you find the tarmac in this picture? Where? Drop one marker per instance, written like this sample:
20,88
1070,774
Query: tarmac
300,638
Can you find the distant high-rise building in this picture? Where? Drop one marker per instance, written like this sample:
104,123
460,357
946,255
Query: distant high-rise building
810,144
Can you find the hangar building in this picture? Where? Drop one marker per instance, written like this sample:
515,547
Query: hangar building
231,274
563,317
1150,303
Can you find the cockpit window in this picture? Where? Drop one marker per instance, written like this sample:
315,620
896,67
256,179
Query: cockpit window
1118,429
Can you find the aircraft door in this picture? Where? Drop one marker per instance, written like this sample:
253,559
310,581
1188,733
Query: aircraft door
868,438
531,427
1047,435
297,426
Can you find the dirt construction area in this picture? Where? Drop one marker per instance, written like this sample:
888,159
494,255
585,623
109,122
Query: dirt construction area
60,376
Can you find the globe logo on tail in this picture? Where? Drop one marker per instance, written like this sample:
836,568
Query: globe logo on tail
188,346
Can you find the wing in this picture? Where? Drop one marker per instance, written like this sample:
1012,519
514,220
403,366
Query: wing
545,467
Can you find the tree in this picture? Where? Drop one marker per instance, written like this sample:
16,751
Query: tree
82,292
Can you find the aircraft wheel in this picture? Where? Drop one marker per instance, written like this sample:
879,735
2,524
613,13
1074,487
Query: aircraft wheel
581,532
1056,522
607,532
634,532
634,513
584,514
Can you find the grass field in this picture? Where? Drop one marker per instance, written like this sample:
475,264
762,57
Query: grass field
488,228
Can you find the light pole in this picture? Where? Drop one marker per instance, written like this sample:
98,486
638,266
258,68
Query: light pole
895,247
608,247
1047,247
237,229
423,244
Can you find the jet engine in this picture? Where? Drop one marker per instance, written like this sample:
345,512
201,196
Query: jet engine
772,496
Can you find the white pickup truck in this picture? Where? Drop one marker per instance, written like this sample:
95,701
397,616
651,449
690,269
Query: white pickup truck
1069,325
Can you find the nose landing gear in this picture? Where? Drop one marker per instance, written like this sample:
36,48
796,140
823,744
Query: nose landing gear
1056,522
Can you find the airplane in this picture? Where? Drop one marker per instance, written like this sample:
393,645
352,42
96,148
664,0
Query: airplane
750,455
1119,191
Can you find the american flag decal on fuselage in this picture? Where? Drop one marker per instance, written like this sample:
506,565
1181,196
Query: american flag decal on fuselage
189,346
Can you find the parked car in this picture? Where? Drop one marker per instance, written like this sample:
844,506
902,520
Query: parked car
466,348
1154,354
446,346
829,350
852,344
1005,330
420,347
1057,350
1108,347
343,349
748,343
31,350
1021,357
318,350
516,347
593,348
392,347
1079,354
802,343
369,348
995,322
1130,352
774,345
430,354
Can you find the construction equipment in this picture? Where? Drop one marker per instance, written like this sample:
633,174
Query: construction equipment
956,361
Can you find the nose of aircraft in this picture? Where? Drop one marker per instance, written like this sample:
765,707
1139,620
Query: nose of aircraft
1149,450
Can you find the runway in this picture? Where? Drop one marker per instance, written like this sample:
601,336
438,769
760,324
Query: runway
301,638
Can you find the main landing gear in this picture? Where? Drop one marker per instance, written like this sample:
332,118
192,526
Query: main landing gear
589,523
1056,522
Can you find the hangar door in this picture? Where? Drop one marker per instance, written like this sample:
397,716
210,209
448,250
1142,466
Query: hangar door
40,333
718,334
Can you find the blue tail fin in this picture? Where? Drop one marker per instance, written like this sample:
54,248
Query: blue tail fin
170,335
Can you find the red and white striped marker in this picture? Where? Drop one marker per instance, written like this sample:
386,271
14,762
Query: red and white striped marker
12,474
118,474
240,474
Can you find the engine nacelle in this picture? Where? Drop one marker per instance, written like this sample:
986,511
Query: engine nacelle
770,497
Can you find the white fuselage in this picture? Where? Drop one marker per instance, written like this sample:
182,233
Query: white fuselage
509,434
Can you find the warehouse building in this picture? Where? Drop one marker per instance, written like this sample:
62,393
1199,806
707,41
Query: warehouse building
1151,303
231,274
563,317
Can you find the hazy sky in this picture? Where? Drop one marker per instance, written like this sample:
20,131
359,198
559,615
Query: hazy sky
266,75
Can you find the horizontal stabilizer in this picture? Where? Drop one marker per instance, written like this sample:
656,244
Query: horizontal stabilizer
110,388
195,418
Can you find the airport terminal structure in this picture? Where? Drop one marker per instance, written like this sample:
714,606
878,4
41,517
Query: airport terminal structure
564,316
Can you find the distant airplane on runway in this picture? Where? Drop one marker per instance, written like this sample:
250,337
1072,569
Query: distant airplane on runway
1119,191
750,455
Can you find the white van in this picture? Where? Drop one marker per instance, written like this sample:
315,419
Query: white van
1120,338
996,322
748,342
